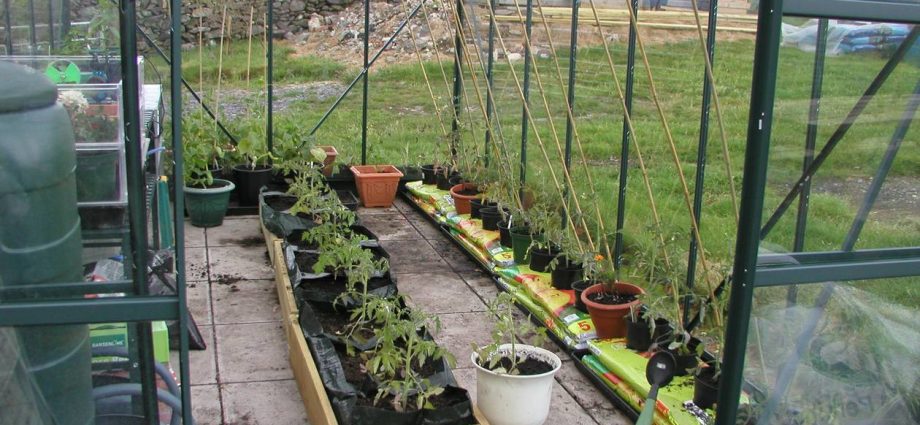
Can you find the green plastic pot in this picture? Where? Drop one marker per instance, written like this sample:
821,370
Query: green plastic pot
520,241
97,176
207,207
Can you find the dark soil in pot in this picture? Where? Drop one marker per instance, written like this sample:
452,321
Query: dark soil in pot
611,298
306,260
706,388
578,287
468,191
504,230
566,272
490,218
530,366
541,257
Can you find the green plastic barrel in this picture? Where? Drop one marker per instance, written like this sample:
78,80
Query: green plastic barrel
40,235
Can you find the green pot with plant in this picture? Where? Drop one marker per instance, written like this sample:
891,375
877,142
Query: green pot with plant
514,382
206,198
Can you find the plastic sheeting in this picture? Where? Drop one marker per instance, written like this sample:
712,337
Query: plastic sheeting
846,38
860,367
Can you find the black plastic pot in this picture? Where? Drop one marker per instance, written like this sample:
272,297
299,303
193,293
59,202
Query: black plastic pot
541,257
410,174
248,182
566,273
684,362
639,335
490,217
705,388
579,287
443,178
430,173
504,230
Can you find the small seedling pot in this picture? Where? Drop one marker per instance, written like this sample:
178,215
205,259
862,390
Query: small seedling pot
541,257
610,319
566,272
331,154
461,201
520,242
516,399
705,388
504,231
578,287
490,218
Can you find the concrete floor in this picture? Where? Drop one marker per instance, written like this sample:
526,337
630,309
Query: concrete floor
244,376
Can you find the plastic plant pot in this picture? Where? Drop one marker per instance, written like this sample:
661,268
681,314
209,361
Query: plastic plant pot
490,218
610,319
376,184
462,201
520,242
579,287
331,154
541,257
705,388
249,181
504,232
566,272
476,205
516,399
430,173
207,206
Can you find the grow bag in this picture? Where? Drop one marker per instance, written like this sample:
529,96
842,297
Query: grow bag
298,273
280,222
327,290
295,237
344,397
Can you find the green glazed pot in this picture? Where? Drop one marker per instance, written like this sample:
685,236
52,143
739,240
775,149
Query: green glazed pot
520,241
207,207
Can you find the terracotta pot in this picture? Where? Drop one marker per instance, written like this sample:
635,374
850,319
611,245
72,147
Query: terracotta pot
331,154
376,184
462,202
610,320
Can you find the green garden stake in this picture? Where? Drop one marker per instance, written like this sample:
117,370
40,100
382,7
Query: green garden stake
659,372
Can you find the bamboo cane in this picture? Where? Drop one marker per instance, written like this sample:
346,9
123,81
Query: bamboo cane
230,33
220,62
249,54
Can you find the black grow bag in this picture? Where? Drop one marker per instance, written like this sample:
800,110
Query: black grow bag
297,274
280,222
295,237
326,290
343,396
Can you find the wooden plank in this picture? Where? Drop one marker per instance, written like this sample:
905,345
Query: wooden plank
319,410
479,416
283,286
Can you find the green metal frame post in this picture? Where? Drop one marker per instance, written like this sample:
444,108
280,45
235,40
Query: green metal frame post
811,135
32,36
137,216
528,27
175,105
8,23
458,82
702,148
760,122
51,25
367,37
269,72
624,142
573,53
490,64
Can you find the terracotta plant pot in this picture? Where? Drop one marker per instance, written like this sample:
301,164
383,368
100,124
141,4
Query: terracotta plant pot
461,201
331,154
376,184
610,319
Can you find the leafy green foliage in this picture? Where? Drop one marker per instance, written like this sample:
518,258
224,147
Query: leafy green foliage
507,331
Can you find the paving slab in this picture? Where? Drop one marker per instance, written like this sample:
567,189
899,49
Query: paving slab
362,210
194,236
402,206
198,296
252,352
206,405
236,231
229,264
427,229
457,259
413,257
270,402
202,363
481,283
390,227
589,397
246,301
437,293
196,264
459,331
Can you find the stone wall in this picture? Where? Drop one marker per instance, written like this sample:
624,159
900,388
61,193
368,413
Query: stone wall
204,16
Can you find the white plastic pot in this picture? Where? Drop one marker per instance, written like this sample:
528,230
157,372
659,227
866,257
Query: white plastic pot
516,399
